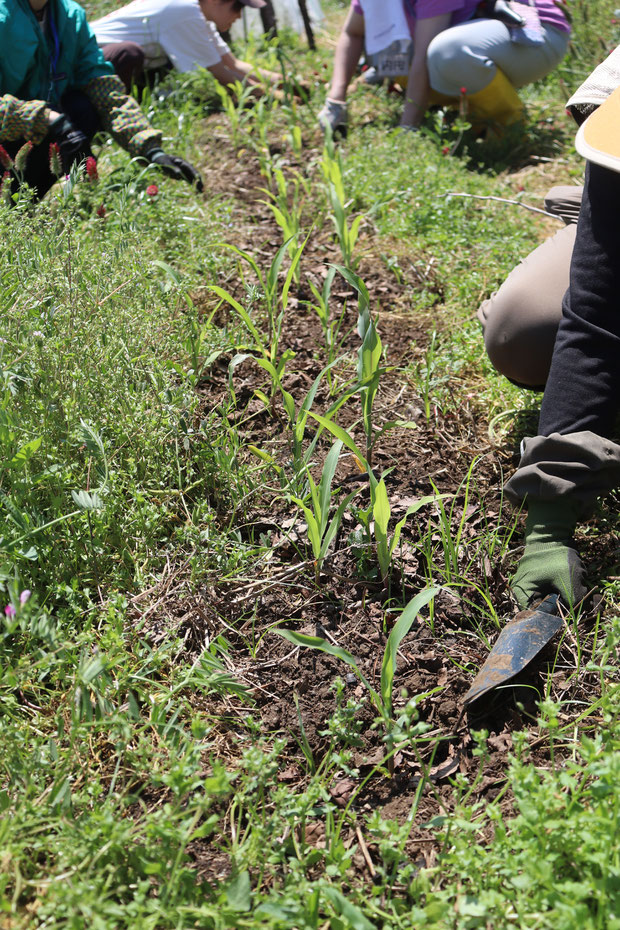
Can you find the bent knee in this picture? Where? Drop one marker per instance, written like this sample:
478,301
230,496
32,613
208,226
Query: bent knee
519,347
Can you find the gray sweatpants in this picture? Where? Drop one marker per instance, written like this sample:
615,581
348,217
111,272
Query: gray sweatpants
469,54
520,321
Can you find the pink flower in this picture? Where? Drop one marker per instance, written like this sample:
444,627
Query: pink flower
463,90
91,169
9,610
101,211
446,150
152,190
54,157
24,596
22,156
5,159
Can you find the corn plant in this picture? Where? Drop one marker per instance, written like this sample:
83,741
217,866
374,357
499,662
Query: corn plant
286,204
346,232
381,512
382,699
234,99
297,421
276,300
331,328
376,517
368,356
321,530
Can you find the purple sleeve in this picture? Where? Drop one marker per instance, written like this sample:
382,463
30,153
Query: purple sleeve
425,9
356,6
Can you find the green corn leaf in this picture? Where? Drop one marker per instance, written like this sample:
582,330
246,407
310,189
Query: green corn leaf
356,282
325,484
289,404
354,231
322,645
340,434
335,522
314,533
291,271
400,630
243,313
381,508
274,270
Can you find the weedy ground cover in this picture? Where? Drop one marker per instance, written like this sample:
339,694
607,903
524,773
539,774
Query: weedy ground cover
220,422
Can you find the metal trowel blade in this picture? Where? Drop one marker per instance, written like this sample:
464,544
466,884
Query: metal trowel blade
519,642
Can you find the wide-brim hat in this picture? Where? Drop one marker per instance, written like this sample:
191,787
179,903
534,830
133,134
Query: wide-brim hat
598,138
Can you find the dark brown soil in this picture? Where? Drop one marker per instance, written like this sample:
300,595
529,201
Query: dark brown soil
347,604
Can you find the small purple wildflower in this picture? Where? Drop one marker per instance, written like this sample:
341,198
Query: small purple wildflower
9,610
24,596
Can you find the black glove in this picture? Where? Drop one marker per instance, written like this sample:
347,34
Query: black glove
73,144
175,167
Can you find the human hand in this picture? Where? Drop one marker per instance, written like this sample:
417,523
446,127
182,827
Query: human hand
549,562
73,145
175,167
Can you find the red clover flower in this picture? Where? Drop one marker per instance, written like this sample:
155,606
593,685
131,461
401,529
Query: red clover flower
5,159
91,169
22,156
54,156
152,190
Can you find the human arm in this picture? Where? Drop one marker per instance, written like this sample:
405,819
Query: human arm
122,118
418,84
121,115
230,69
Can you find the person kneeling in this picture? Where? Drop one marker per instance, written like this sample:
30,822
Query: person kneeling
57,89
148,36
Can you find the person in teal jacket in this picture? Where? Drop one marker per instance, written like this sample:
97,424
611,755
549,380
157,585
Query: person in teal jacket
56,87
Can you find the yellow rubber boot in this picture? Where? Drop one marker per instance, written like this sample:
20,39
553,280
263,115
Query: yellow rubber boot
498,102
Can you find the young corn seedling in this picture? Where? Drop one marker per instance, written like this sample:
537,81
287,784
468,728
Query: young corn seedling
286,206
321,530
234,98
276,301
382,699
331,328
381,512
346,232
368,356
376,517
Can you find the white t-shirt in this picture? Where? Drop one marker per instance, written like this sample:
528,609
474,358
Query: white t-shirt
164,29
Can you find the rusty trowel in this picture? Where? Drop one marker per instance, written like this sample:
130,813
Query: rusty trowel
519,642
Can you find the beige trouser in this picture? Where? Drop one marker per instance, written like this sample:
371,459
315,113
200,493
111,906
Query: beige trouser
520,321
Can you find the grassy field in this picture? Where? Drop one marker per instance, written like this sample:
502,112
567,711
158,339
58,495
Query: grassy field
253,546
